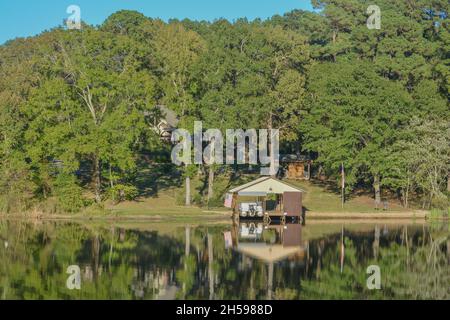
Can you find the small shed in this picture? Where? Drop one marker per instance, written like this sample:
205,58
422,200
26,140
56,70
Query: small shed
277,198
297,167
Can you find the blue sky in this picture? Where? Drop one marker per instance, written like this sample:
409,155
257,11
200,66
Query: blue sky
21,18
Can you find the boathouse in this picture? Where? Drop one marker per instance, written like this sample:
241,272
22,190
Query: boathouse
267,198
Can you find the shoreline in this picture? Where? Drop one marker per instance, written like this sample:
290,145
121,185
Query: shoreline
222,215
369,215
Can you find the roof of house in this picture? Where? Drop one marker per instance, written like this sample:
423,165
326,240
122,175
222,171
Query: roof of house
267,185
294,158
169,116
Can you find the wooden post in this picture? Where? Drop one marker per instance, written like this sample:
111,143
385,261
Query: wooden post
265,204
233,206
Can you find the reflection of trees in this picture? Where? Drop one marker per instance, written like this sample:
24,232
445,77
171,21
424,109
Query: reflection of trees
30,267
412,266
330,283
423,274
114,265
193,263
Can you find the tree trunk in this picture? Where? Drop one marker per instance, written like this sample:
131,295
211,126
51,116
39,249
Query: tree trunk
111,183
406,194
377,188
448,182
406,198
210,183
188,191
334,42
111,180
97,179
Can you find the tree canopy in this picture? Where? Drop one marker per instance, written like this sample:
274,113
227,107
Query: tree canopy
77,107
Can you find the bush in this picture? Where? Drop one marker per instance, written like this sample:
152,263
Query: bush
123,192
69,194
216,202
197,199
441,202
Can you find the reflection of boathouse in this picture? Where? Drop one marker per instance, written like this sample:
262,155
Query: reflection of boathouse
281,243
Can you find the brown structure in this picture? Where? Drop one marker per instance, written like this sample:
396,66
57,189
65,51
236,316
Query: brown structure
298,167
292,204
286,199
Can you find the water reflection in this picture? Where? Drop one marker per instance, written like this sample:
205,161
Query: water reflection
270,244
321,260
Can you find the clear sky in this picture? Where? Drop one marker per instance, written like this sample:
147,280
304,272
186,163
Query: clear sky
21,18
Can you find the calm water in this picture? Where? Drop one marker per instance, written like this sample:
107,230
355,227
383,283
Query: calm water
320,260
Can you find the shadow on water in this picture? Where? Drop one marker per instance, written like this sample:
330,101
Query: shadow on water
249,260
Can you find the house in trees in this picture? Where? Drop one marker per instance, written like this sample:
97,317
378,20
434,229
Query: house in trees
166,123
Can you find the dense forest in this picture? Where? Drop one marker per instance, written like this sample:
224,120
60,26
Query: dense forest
77,106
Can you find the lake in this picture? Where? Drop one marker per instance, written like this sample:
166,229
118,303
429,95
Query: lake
222,260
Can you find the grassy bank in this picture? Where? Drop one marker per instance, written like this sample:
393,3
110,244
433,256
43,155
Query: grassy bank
319,200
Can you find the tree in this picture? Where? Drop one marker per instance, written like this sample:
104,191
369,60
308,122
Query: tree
427,158
177,50
91,107
354,116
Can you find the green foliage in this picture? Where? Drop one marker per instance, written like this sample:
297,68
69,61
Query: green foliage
86,100
440,213
123,192
68,193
